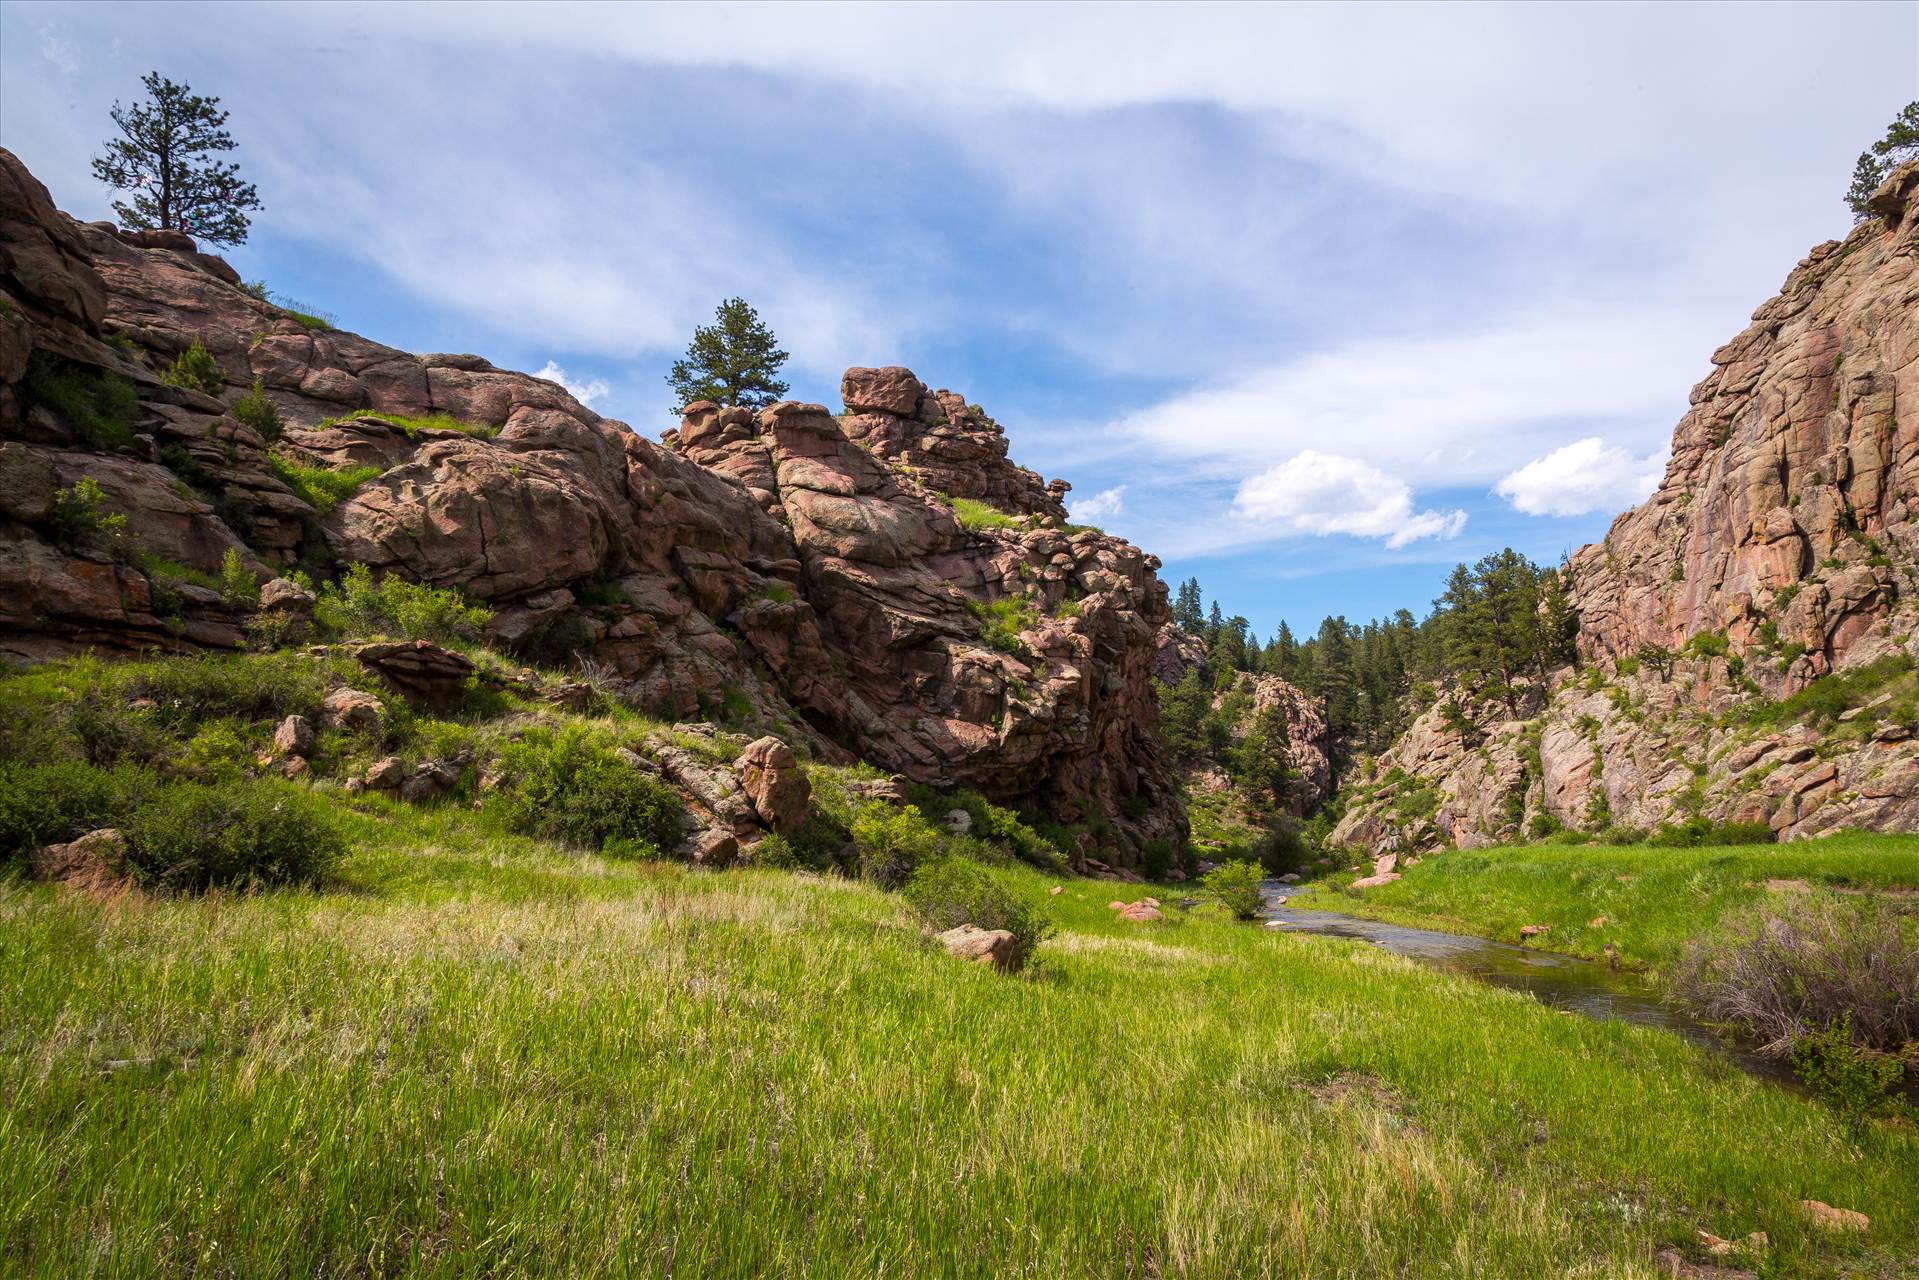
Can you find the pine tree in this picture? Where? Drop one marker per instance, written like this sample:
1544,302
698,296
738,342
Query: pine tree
1263,758
732,362
1187,612
163,157
1900,144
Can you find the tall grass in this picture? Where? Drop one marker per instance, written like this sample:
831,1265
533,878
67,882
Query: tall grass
484,1056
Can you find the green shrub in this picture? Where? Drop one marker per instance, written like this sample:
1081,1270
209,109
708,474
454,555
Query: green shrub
58,800
102,407
892,843
254,409
238,587
1235,885
190,690
1003,620
322,488
948,892
1697,833
196,370
1855,1082
973,514
1008,830
413,426
568,786
1824,700
361,605
79,517
187,837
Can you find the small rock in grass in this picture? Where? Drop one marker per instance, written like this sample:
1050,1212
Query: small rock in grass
996,947
1830,1219
1597,922
354,710
385,775
958,821
1140,913
1056,890
1116,905
430,781
294,737
1533,930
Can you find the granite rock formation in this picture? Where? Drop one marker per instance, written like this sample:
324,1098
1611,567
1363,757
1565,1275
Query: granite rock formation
1781,547
803,569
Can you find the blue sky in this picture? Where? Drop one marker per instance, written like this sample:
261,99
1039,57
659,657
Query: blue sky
1312,301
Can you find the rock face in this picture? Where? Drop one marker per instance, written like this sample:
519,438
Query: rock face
1789,503
806,566
1781,546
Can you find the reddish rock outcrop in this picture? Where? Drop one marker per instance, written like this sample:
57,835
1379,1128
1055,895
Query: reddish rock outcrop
804,566
1782,545
1787,516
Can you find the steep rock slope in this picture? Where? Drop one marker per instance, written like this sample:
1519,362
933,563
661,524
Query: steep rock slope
1780,551
788,564
1789,505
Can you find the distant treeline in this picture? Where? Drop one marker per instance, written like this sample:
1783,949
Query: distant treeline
1500,623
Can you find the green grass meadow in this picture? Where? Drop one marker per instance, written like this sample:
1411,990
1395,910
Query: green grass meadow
478,1055
1653,900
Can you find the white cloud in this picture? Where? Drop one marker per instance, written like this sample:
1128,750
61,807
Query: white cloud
585,390
58,51
1320,494
1104,505
1586,475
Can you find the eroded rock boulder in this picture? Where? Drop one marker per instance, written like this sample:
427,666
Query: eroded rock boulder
771,777
995,947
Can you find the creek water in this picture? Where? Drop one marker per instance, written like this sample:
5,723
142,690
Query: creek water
1583,987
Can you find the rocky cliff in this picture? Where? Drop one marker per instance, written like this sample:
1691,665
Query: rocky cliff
805,569
1780,553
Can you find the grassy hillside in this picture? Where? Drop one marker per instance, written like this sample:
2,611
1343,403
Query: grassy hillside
483,1054
462,1048
1653,900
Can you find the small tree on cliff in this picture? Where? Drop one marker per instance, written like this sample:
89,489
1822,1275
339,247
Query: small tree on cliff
732,362
1900,144
164,157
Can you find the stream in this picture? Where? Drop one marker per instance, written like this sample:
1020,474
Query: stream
1584,987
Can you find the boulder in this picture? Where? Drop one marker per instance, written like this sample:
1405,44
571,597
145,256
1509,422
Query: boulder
995,947
94,858
425,672
429,780
771,777
958,821
294,737
354,711
892,390
1141,913
1533,930
287,596
28,481
385,775
1827,1218
711,847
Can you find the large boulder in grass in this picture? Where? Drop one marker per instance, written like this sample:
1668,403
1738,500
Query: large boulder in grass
95,857
995,947
424,672
771,777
